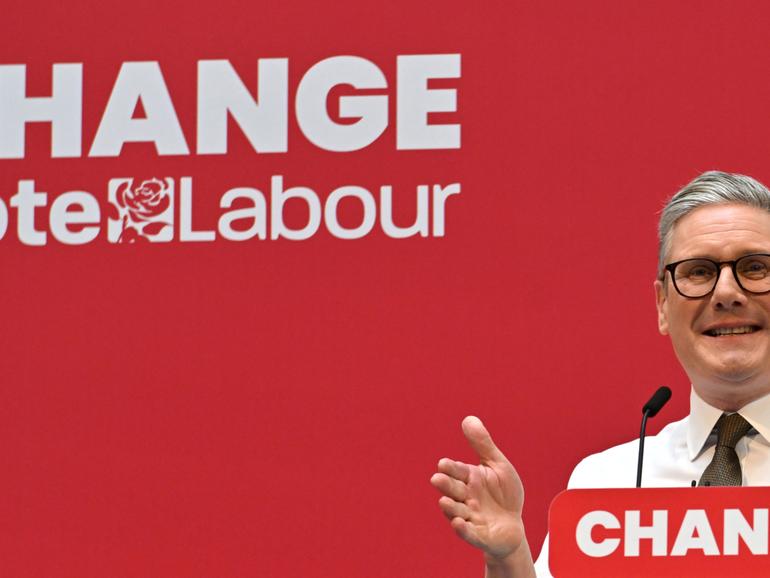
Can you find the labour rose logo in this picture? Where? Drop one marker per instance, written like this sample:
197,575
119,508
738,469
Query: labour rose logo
141,213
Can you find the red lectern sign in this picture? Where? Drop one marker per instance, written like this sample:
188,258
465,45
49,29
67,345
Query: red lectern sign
659,532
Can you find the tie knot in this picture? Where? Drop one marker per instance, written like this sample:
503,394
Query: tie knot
730,429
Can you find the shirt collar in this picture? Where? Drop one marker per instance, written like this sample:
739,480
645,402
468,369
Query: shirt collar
701,422
757,413
703,417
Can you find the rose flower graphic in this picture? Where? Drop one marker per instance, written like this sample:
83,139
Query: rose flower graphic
144,210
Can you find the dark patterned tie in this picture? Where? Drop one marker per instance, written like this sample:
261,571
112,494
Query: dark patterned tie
725,469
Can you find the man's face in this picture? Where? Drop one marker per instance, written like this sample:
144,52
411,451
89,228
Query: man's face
728,371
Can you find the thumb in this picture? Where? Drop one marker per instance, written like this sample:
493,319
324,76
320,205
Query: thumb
479,439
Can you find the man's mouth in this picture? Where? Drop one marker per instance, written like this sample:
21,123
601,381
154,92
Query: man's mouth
722,331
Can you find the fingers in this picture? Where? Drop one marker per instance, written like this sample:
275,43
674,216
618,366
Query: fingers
453,509
466,531
460,518
479,439
454,469
449,486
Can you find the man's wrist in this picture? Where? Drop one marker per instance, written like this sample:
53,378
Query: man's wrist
516,564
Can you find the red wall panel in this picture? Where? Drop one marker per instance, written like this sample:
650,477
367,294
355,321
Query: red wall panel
276,407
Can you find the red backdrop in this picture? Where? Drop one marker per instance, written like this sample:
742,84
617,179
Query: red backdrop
276,407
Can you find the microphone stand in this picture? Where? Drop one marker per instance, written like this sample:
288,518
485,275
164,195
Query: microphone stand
650,409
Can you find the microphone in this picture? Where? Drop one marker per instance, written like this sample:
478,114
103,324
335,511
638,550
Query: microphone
650,409
657,401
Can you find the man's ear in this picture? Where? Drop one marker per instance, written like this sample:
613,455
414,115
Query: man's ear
661,300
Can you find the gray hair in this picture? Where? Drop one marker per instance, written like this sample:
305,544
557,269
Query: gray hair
710,188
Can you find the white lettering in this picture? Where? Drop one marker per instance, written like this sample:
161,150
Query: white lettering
139,81
278,197
440,195
372,110
62,215
74,216
330,212
260,112
3,219
186,232
26,200
755,537
695,534
414,100
257,213
221,91
634,532
386,214
586,542
63,109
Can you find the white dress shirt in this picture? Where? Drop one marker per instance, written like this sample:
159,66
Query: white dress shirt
676,456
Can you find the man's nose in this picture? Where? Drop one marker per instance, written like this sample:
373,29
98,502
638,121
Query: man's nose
727,293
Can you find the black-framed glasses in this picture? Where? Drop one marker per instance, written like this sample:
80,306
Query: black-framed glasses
695,278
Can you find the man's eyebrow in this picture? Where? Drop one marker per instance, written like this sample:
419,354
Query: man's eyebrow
756,251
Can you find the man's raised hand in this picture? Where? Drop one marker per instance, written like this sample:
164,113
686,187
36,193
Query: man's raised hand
484,502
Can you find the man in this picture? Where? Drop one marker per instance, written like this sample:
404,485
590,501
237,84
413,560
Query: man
713,299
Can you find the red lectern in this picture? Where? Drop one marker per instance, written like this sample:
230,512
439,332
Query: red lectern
657,532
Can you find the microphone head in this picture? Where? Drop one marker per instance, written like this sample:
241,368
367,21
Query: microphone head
657,401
